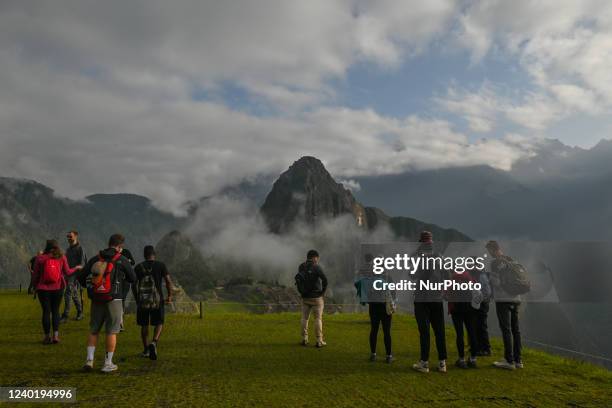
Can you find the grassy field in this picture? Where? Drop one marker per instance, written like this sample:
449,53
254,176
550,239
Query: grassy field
239,359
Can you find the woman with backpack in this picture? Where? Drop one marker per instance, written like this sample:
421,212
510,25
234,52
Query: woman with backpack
48,279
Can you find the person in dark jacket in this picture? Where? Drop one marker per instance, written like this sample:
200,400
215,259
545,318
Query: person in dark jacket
507,308
312,299
127,286
429,306
76,257
106,308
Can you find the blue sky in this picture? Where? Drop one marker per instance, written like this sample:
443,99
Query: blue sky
187,97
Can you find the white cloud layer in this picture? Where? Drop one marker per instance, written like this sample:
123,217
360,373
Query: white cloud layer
98,96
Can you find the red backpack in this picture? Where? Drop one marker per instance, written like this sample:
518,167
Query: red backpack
51,271
101,282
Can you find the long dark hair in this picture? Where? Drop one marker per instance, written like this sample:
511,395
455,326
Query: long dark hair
52,248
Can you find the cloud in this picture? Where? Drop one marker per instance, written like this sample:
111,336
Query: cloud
565,47
99,96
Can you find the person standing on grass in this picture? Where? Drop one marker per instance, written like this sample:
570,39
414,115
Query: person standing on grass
125,289
104,275
150,300
311,283
48,280
381,306
429,306
76,257
481,326
463,314
507,308
31,264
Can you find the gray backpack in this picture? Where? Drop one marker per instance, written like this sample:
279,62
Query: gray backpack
149,297
513,277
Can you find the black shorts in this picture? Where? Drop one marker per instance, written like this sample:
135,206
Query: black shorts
153,317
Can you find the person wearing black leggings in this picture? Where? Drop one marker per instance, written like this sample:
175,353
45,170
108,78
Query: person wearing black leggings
49,281
50,301
378,316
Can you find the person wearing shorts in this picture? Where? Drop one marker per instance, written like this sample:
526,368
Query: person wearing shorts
150,299
107,309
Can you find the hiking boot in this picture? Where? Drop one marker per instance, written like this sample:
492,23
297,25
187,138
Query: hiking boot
519,364
504,364
304,342
47,340
472,363
153,351
442,366
145,353
421,366
460,363
88,365
63,319
389,359
79,316
109,368
372,357
321,344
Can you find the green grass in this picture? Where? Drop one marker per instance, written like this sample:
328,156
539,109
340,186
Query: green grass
240,359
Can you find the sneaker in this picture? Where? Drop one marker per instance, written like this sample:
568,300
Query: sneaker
389,359
519,364
321,344
442,366
55,340
372,357
504,364
79,316
145,353
304,342
460,363
421,366
63,319
153,351
472,363
88,365
109,368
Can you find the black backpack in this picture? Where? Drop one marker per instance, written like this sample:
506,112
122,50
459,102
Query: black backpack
307,281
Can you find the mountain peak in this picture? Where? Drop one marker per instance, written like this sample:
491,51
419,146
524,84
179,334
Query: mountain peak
307,192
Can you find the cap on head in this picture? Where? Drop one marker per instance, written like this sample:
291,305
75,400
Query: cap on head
426,237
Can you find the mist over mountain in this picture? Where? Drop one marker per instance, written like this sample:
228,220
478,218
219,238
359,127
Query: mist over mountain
30,213
560,193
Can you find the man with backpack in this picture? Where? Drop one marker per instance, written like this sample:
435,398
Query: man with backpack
104,276
76,256
509,281
311,283
150,300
